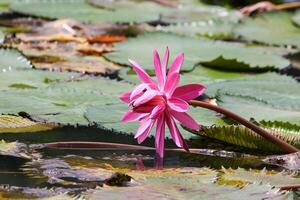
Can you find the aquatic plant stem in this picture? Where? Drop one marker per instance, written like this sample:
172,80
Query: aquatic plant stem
287,6
278,142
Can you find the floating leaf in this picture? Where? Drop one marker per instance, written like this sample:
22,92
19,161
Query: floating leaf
253,108
53,56
106,39
11,59
272,89
16,124
95,84
81,10
53,105
263,97
187,183
214,53
241,177
296,18
210,29
198,13
32,79
264,29
200,74
242,136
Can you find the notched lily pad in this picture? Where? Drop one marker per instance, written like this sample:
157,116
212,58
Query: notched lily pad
11,59
222,55
187,183
241,177
263,28
83,11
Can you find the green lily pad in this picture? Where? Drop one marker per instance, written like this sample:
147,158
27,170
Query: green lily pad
95,84
251,108
210,29
53,105
264,28
198,13
32,79
81,10
188,183
241,177
11,59
296,18
219,54
16,124
200,74
272,90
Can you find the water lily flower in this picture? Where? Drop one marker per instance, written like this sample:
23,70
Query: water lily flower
162,103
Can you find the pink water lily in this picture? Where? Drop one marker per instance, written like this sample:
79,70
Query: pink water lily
161,103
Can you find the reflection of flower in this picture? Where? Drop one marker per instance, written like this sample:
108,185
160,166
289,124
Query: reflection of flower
162,102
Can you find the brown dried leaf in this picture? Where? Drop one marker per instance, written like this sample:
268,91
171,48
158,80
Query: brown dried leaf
106,39
87,49
60,37
90,65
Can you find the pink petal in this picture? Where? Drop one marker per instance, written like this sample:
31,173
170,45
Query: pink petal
160,136
158,70
143,76
178,104
165,63
171,84
145,97
125,97
142,136
131,115
150,105
144,130
177,63
185,119
139,90
188,92
157,110
175,133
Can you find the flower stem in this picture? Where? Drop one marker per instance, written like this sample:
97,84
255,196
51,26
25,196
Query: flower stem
280,143
287,6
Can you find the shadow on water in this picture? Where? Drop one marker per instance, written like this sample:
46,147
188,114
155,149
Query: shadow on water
61,169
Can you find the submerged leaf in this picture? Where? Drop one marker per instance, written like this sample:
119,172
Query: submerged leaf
14,149
288,161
